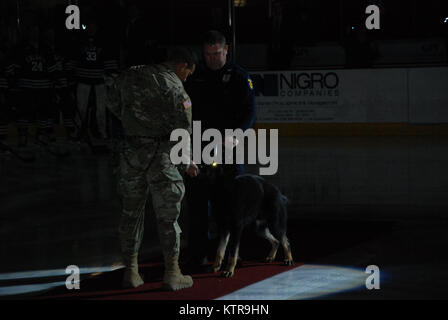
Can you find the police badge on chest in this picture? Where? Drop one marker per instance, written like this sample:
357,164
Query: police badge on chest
226,77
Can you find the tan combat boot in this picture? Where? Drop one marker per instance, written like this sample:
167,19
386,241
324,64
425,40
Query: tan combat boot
173,279
131,278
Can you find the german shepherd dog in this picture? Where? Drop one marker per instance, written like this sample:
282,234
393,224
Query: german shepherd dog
245,200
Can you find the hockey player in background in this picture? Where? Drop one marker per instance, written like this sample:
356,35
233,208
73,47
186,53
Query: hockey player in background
64,86
4,111
93,62
34,72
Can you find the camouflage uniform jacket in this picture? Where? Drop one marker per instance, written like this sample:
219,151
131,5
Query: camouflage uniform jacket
150,101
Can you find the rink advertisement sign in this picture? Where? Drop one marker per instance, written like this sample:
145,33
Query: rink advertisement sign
309,96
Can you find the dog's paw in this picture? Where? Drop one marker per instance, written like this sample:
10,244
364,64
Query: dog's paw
269,259
288,263
227,274
215,269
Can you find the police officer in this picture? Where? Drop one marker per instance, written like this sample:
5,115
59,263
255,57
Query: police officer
151,102
223,97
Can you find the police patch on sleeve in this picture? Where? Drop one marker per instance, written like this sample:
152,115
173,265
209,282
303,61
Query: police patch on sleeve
251,85
187,104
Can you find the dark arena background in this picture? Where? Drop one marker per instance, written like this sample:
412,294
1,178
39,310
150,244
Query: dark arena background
362,118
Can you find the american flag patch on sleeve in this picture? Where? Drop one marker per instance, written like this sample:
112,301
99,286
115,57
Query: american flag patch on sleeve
187,104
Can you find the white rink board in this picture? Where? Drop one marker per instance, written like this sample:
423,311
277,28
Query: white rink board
352,96
428,95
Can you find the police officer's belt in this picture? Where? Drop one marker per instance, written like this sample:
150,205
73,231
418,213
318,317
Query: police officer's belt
161,138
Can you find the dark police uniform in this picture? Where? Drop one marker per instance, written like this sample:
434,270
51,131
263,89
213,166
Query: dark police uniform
222,99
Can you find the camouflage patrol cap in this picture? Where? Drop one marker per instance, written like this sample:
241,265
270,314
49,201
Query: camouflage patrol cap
182,55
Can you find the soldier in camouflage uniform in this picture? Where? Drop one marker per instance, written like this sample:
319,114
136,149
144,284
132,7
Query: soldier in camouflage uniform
151,102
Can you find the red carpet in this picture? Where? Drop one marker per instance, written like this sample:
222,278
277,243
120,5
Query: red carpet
309,240
206,286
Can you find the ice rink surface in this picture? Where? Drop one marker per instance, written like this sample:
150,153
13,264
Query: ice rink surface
60,212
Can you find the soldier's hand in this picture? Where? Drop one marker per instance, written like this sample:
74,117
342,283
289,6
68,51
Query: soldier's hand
192,170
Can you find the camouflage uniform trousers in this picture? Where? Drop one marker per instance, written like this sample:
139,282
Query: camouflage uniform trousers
144,169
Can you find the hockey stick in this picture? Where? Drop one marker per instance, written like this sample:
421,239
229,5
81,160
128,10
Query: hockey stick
16,154
47,147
